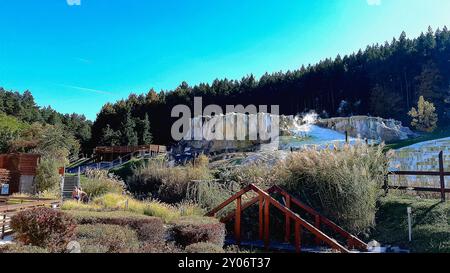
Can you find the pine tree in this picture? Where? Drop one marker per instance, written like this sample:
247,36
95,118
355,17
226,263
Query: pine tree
384,103
130,137
430,82
110,137
424,118
146,134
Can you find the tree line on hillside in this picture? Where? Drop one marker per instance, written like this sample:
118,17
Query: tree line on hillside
23,123
383,80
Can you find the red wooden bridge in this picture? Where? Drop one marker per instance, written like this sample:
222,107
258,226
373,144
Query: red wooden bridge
265,201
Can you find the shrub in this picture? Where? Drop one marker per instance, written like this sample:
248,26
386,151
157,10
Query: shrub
164,183
47,177
102,238
44,227
99,182
204,248
159,248
150,229
343,183
191,230
22,249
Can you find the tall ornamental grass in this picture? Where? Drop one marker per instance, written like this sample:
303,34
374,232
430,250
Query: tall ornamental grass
343,182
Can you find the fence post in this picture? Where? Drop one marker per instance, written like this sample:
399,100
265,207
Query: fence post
346,136
441,175
261,217
386,184
266,222
3,226
237,221
287,231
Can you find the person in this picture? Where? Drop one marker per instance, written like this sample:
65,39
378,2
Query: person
83,197
76,194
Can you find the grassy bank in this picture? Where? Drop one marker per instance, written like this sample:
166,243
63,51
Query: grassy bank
431,224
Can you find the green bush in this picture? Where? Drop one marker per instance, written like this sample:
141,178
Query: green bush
149,229
204,248
47,176
99,182
44,227
101,238
190,230
343,183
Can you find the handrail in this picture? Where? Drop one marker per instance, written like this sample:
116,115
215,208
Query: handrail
7,211
265,200
352,241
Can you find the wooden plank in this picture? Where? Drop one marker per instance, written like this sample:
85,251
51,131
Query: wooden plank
424,173
266,222
287,231
237,221
424,189
298,237
213,212
317,225
261,217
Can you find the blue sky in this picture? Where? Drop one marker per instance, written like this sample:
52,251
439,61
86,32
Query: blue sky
76,58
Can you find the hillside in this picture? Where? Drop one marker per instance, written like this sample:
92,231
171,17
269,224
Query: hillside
382,80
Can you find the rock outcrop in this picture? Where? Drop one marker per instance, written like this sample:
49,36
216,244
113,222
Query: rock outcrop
375,128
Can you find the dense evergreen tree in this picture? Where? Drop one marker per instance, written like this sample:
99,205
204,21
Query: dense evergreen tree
130,136
146,134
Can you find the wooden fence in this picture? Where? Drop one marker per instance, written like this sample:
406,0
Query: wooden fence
9,206
441,173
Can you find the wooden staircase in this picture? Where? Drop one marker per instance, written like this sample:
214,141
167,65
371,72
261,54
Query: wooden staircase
291,204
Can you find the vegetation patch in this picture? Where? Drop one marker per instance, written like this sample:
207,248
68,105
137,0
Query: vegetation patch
101,238
150,229
44,227
190,230
343,183
431,224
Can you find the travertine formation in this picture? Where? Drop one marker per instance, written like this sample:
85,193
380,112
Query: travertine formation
375,128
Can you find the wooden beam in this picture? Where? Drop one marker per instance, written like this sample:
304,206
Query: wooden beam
298,237
261,217
237,221
266,222
441,176
287,231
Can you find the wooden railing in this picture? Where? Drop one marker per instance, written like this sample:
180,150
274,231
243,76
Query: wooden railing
8,210
441,173
265,201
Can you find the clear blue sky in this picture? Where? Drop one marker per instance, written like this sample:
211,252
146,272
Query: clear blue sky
76,58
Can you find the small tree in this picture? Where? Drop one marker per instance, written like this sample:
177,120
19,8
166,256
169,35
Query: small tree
146,134
47,176
424,118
